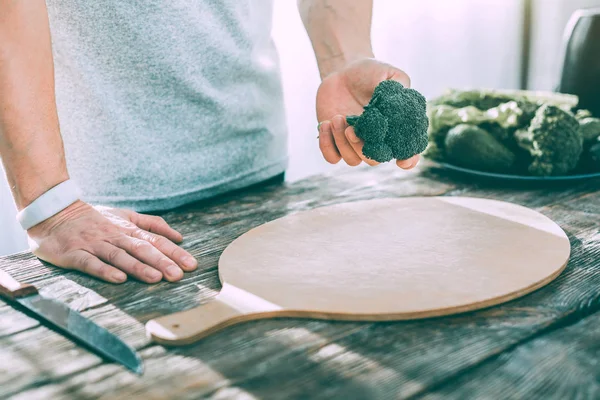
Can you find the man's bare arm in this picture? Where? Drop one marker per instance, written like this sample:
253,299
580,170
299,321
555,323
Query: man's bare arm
110,244
339,30
31,147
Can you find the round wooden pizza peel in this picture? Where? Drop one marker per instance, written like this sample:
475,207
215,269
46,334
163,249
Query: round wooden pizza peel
378,260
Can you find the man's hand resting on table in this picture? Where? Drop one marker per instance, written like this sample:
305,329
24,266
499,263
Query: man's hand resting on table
345,93
111,243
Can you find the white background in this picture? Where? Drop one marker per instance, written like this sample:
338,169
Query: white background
439,43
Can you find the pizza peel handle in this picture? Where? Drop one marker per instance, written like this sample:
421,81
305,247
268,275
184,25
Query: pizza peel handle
230,307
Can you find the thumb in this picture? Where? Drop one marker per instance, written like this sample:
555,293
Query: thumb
398,75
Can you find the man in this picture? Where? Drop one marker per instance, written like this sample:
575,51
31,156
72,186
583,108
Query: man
161,103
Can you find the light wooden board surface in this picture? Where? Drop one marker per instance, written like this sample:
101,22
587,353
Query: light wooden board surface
383,259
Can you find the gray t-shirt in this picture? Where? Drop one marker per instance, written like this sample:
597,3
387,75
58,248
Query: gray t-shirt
165,102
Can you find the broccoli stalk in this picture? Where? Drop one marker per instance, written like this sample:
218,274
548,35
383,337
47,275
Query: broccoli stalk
394,123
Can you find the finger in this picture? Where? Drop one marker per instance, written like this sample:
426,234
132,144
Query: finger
145,253
119,257
358,145
327,143
158,225
89,264
409,163
176,254
344,147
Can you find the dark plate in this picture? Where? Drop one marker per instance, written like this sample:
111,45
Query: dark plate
492,175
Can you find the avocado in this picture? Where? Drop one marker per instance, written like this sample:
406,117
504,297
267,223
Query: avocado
471,147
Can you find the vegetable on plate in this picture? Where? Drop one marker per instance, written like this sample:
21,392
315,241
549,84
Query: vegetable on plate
515,132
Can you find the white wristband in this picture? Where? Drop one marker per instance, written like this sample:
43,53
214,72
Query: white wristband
48,204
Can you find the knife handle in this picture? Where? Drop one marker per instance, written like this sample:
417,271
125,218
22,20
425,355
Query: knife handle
12,289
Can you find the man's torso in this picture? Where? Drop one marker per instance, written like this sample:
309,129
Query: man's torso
166,102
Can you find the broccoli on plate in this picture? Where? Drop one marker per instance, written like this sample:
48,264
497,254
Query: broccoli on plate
553,140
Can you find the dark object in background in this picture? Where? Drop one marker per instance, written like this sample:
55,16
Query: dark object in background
581,59
394,123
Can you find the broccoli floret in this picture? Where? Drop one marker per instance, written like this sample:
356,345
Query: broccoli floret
378,149
372,122
394,123
553,140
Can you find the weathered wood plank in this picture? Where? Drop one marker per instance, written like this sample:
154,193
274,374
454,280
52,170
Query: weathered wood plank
174,374
13,321
563,364
191,375
74,295
26,355
296,358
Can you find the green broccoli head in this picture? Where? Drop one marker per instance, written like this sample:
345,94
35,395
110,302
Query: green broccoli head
553,140
371,126
378,151
394,123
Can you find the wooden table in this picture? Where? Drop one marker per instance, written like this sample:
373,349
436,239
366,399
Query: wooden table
545,345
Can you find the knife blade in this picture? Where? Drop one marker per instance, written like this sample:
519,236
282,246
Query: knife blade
70,322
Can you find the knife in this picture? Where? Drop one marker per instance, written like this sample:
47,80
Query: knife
70,322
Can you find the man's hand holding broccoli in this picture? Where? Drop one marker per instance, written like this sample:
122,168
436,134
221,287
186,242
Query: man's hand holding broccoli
358,103
340,33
